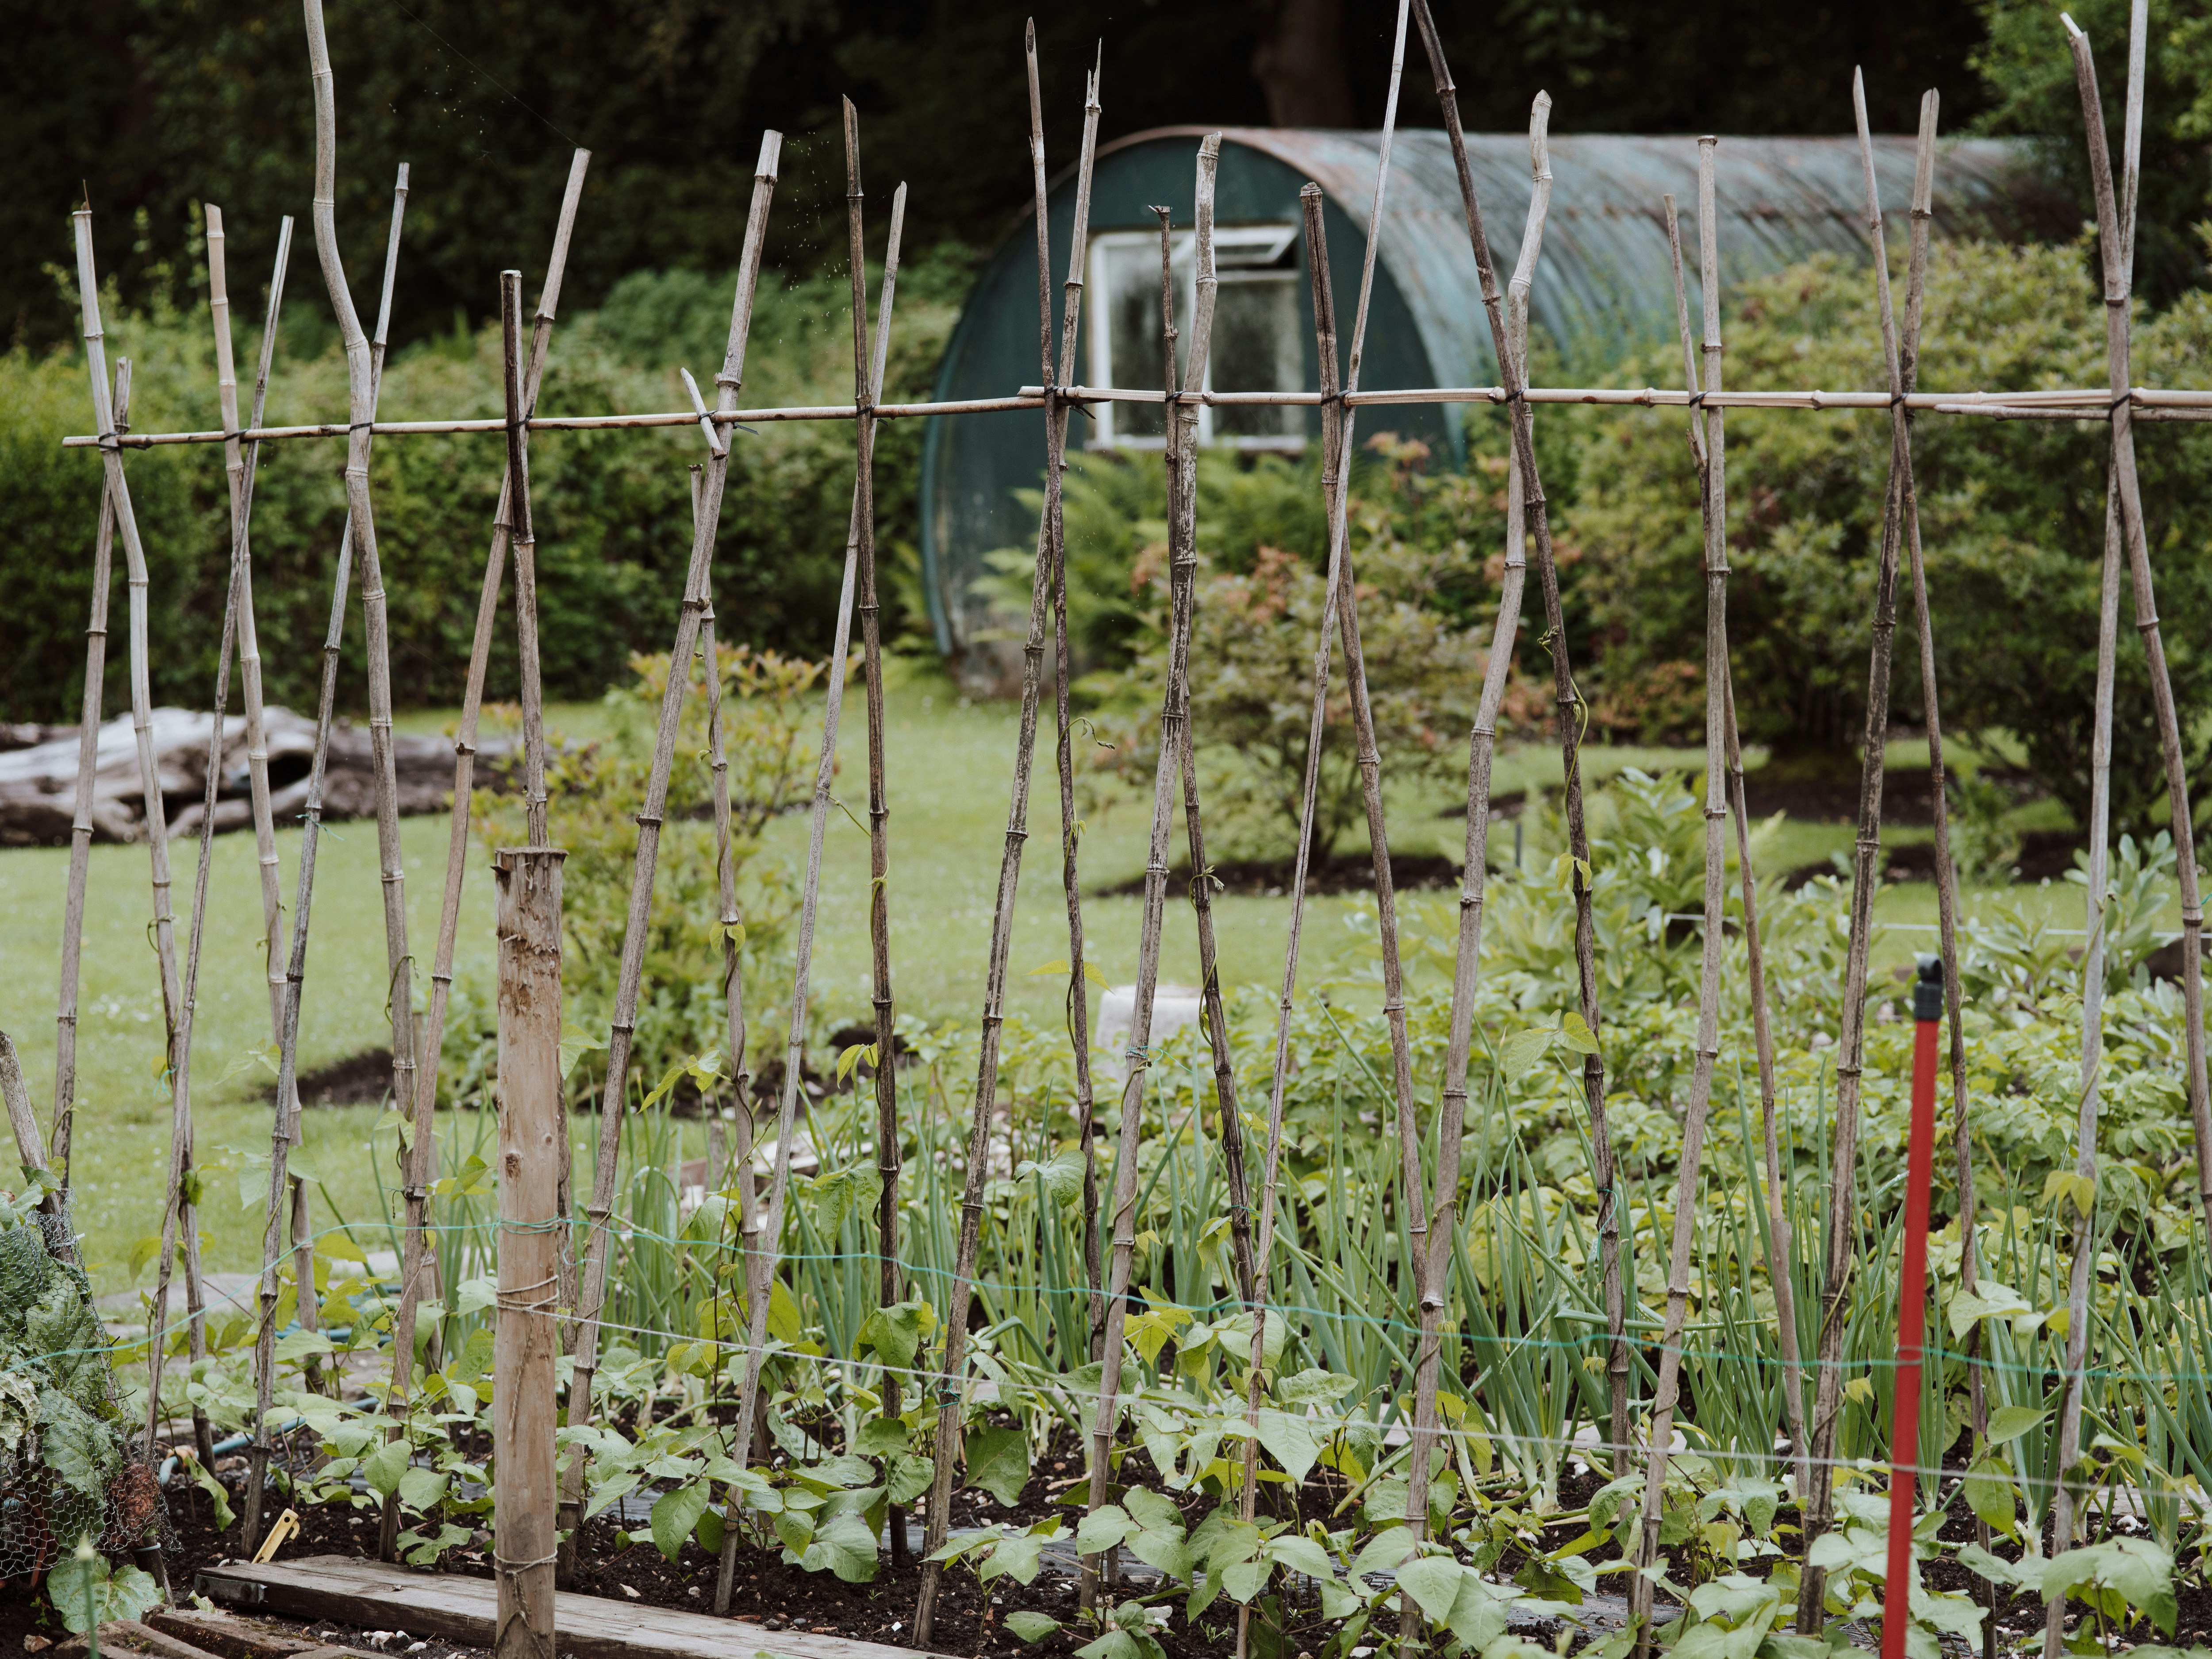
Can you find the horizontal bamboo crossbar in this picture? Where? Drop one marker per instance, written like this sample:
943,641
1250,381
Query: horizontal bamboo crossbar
2064,403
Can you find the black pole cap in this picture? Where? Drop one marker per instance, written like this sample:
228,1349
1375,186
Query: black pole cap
1927,989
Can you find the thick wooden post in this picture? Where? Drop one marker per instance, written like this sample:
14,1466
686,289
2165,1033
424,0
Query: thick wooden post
525,1531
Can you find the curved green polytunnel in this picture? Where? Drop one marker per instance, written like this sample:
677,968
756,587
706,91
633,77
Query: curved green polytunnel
1603,287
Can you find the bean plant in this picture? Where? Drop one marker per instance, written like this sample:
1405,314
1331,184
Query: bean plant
1528,1510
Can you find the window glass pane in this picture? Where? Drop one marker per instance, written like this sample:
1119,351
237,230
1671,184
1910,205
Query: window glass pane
1135,344
1256,348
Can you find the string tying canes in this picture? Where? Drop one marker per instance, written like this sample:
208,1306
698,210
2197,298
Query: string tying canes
1911,1308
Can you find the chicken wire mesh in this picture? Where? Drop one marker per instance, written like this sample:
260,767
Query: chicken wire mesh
68,1466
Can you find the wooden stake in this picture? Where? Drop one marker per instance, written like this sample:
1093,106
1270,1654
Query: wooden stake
1572,713
1866,873
1714,494
87,762
952,1386
706,520
526,1342
767,1246
179,1211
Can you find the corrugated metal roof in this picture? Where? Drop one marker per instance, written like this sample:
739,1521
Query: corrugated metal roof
1603,290
1604,284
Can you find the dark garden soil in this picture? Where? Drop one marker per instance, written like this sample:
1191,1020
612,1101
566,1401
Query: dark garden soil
970,1618
364,1079
1344,872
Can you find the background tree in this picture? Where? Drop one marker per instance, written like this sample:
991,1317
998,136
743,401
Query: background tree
159,104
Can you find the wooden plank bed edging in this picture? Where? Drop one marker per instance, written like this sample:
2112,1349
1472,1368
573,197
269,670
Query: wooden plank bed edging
462,1609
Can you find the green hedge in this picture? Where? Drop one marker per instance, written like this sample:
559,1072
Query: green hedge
612,509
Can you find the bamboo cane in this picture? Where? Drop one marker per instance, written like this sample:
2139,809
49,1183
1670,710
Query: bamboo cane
423,1269
705,519
2093,1042
241,507
1572,713
524,536
1843,1203
738,1167
1175,723
364,369
1482,743
1947,874
952,1380
1714,501
179,1209
767,1246
239,462
2116,237
364,375
2065,404
885,1068
31,1153
1779,1231
1052,544
1182,457
1325,353
88,761
1783,1246
732,929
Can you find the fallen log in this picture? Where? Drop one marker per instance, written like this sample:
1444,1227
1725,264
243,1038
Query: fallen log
37,782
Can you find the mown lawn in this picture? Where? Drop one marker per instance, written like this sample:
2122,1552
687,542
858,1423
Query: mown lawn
949,763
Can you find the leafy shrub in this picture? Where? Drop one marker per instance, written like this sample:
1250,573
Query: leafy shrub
1257,614
595,792
2012,519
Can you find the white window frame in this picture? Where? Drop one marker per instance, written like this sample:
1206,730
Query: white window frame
1241,254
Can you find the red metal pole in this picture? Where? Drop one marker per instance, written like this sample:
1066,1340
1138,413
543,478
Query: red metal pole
1912,1308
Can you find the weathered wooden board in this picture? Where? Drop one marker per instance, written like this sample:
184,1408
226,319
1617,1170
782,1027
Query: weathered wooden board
459,1609
227,1636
